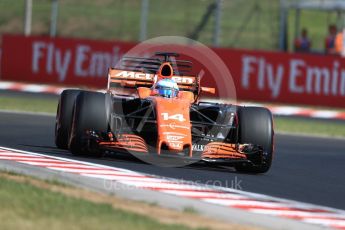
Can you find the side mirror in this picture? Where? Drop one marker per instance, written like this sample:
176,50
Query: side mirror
208,90
143,92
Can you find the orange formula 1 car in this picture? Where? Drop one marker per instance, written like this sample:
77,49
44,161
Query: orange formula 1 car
151,107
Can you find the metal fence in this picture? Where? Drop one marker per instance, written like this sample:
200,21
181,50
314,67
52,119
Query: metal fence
243,24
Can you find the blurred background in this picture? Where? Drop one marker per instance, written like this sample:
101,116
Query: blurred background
252,24
278,51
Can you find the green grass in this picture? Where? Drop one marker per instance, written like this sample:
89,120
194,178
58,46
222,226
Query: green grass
189,209
250,24
310,126
24,206
20,103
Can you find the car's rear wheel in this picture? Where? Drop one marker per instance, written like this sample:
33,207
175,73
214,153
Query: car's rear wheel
64,117
255,126
91,112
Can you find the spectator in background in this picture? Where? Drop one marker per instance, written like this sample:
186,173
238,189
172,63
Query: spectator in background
302,43
339,44
330,40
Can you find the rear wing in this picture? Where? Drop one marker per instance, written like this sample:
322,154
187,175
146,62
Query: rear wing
135,72
134,79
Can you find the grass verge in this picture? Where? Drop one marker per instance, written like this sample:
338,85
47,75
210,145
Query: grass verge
319,127
29,104
35,208
29,203
282,124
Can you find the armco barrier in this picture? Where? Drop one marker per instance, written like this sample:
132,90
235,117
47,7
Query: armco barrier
258,75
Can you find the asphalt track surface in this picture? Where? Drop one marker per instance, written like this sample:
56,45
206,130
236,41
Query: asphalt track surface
306,169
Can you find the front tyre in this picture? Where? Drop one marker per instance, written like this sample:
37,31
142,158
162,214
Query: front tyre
91,112
255,126
63,121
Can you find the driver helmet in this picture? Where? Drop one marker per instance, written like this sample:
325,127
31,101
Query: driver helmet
167,88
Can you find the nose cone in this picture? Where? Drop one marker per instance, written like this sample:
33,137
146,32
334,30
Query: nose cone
173,123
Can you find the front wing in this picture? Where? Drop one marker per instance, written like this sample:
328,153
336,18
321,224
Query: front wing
214,152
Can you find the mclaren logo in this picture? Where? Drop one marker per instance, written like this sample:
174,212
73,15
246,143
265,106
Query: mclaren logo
183,80
134,75
150,77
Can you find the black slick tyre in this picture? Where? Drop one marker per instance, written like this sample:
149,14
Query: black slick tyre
91,112
63,121
255,126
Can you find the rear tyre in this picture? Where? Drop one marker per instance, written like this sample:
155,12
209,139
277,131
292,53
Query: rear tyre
255,126
91,112
64,117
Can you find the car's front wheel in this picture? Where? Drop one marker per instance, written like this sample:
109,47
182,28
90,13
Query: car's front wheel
255,126
63,121
91,112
